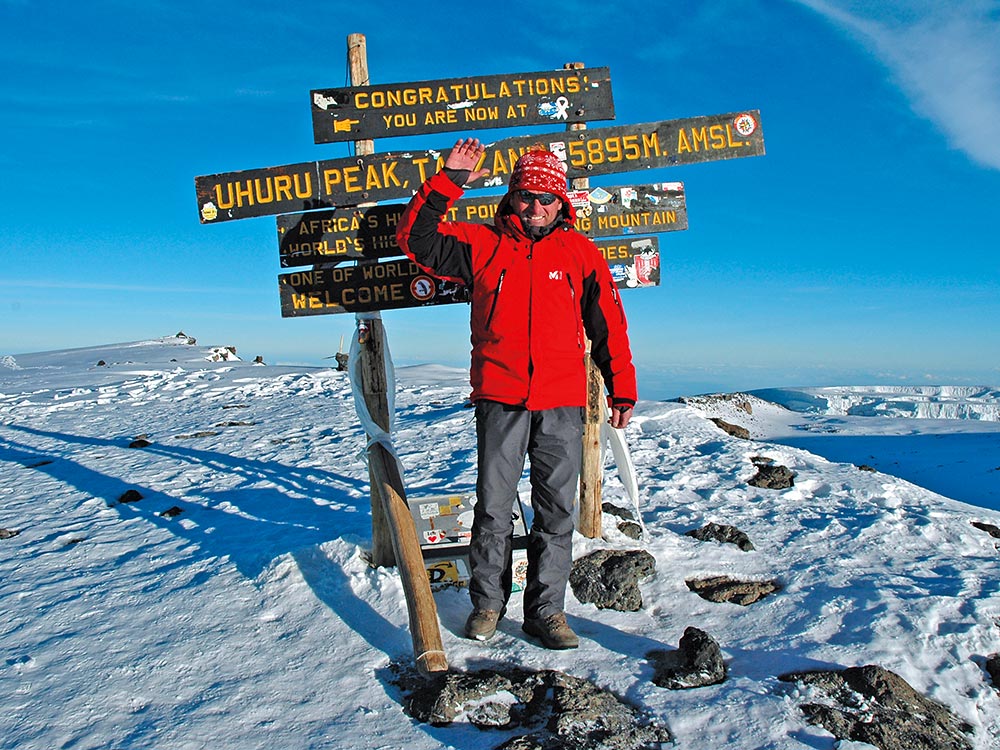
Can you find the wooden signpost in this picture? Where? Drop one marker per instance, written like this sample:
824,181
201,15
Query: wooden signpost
328,213
399,283
334,235
499,101
375,177
391,285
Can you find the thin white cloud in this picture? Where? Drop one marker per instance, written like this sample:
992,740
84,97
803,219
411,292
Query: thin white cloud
944,55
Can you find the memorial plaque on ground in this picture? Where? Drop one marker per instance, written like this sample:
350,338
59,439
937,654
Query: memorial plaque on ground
370,232
586,153
498,101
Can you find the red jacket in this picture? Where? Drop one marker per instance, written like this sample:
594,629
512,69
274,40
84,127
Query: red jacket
532,302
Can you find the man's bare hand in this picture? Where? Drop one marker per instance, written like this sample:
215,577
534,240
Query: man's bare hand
466,155
620,416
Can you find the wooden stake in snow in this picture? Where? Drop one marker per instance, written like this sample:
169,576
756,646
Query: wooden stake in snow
394,536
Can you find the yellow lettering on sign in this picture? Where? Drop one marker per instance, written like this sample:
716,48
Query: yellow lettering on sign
389,174
615,252
705,138
402,120
612,149
717,136
420,164
371,178
481,212
242,193
257,191
504,163
699,137
304,278
331,177
481,114
441,117
729,138
262,190
351,184
386,99
283,186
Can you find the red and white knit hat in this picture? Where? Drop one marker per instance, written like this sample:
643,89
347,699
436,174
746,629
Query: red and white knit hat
541,172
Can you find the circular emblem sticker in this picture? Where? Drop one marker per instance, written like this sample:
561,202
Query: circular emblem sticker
745,124
209,212
422,288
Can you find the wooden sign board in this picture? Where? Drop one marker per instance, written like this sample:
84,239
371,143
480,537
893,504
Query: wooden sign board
444,528
634,261
364,179
364,287
498,101
400,283
340,234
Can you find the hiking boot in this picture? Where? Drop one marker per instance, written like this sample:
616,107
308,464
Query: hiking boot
553,631
482,624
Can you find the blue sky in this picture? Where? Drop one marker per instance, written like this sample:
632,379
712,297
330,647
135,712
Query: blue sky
861,249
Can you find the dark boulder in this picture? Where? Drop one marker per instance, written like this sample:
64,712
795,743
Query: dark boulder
697,662
722,533
610,578
871,704
723,589
559,711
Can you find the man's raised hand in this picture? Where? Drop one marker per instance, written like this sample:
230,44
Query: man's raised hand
466,155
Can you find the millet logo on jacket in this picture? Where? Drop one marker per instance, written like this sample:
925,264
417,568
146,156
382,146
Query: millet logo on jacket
555,274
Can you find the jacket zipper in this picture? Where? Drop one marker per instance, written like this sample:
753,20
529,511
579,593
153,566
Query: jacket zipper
618,301
496,298
572,296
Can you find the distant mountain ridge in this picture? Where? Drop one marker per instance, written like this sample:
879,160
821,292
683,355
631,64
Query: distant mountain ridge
917,402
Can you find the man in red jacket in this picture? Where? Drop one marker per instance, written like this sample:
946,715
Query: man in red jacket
539,288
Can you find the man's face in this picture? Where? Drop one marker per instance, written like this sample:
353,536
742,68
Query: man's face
534,209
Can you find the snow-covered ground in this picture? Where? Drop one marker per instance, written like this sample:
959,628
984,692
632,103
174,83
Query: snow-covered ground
945,439
251,620
921,402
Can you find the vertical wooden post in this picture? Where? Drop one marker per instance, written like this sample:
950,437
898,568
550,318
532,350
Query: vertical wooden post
589,512
372,363
394,535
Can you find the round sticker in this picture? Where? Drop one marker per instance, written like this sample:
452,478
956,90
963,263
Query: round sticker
422,288
209,212
745,124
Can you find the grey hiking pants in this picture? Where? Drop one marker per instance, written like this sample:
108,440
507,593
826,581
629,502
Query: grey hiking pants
552,439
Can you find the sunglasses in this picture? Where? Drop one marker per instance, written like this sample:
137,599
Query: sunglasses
546,199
